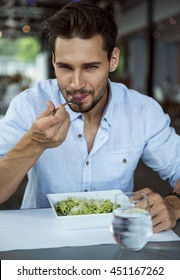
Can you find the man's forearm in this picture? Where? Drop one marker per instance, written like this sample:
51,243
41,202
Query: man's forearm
15,165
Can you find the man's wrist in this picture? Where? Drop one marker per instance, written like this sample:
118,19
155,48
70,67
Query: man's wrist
174,201
173,193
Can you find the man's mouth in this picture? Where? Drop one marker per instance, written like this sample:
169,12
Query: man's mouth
78,99
78,96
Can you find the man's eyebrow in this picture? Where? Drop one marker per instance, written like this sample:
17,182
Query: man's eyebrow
84,64
63,63
92,63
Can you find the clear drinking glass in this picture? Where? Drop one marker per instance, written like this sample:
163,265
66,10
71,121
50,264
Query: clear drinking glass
131,225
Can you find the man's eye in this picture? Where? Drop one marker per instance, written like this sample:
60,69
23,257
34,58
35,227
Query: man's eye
64,67
91,67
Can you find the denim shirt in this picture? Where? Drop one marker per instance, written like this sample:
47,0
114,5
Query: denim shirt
133,126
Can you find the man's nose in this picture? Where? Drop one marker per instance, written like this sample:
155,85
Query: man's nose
77,80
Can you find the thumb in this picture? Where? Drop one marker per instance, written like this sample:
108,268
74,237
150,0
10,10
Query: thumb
50,108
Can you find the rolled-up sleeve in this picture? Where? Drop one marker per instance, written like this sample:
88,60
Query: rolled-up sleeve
162,144
13,125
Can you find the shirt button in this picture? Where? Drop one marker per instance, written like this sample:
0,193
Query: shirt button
85,190
79,135
87,162
124,160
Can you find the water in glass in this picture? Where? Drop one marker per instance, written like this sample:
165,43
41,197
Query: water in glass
131,225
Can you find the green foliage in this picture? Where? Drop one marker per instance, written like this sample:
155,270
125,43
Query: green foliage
24,48
7,47
27,48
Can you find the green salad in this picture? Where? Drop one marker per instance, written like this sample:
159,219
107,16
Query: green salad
82,206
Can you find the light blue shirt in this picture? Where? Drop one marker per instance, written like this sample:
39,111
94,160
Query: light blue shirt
133,126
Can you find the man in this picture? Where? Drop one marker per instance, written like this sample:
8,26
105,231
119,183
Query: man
93,132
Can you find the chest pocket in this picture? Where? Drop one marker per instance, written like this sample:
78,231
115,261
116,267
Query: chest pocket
118,166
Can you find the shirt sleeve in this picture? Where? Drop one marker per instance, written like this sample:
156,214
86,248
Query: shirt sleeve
162,144
13,125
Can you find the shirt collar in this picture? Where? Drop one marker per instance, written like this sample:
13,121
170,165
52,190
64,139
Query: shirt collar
108,112
73,115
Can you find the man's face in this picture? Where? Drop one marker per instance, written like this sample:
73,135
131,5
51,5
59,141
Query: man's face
82,68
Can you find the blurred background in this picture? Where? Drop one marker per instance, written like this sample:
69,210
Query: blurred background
149,40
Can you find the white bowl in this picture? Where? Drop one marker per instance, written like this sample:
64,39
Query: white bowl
84,221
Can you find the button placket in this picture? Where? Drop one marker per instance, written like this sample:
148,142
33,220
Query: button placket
86,176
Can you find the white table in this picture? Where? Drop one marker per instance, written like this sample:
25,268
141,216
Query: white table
35,232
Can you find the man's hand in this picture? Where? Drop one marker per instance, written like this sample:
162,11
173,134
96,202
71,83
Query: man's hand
162,210
49,130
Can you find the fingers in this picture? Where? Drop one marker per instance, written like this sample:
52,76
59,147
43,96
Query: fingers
146,191
50,130
58,129
50,108
158,212
164,217
52,117
161,212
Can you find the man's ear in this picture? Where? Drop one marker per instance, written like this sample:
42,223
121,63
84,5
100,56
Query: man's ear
53,59
114,61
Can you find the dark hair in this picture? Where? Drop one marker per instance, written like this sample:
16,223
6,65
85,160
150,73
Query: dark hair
82,20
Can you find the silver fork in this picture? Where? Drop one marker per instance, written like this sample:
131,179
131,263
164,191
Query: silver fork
53,112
